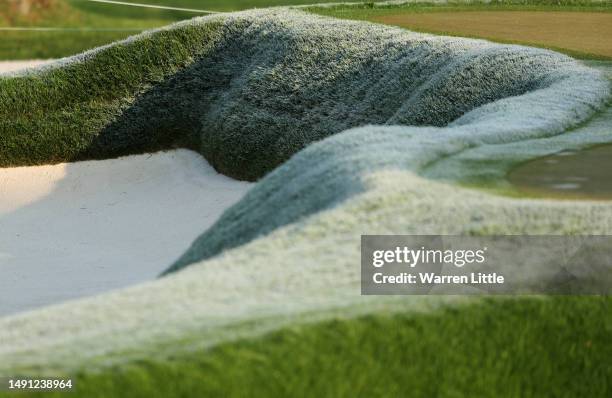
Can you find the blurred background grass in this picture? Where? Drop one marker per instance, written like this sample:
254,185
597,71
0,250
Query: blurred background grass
579,28
72,26
94,24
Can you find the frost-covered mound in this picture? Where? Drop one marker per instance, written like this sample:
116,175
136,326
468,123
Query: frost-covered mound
308,270
279,81
249,90
334,75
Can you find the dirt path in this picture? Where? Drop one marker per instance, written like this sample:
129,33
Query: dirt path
578,32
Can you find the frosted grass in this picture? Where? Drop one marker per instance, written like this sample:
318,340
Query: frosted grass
469,93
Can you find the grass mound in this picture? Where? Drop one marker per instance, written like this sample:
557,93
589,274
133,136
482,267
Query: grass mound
478,93
248,90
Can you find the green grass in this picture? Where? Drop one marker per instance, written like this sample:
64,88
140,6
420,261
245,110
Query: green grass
86,14
94,18
368,10
56,116
89,15
548,347
45,45
231,5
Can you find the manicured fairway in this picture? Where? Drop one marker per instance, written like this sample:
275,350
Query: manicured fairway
578,33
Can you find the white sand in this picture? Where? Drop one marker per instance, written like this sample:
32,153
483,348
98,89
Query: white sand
12,66
78,229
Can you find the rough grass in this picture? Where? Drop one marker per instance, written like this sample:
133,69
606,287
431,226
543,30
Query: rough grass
250,90
448,83
560,349
58,114
488,166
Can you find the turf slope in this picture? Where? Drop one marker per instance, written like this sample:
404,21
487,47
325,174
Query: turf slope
251,90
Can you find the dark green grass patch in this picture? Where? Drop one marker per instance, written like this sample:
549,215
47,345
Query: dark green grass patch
55,116
536,347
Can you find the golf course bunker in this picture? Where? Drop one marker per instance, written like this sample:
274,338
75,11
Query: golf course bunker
584,174
337,121
78,229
